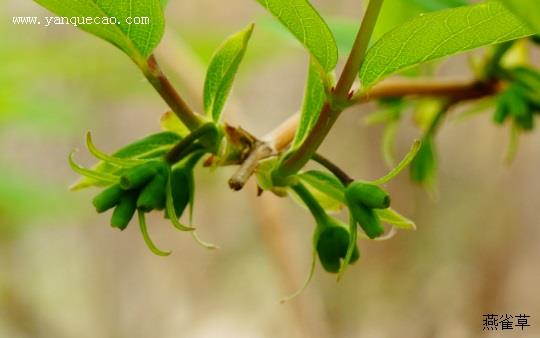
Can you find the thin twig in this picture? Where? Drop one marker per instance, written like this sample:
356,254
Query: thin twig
271,144
335,103
333,168
358,51
241,176
455,90
283,135
169,94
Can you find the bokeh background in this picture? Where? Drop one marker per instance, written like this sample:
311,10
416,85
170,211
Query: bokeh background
65,273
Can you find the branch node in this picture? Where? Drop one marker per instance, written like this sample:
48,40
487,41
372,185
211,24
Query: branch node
260,151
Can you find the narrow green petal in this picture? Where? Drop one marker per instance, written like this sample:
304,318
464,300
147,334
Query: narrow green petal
92,174
121,162
147,239
171,213
306,282
513,144
401,165
204,244
353,236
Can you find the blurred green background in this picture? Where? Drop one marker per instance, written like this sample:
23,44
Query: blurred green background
65,273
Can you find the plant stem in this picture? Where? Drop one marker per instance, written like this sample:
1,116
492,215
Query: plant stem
329,114
311,202
302,155
282,135
358,52
494,62
333,168
180,150
240,177
163,86
455,90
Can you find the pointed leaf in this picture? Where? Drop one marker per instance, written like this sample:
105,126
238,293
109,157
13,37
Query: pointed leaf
390,216
306,24
438,34
435,5
325,188
324,182
527,10
170,122
222,70
264,172
150,147
314,98
136,40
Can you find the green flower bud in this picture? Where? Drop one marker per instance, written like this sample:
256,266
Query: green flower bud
180,189
108,198
501,112
124,211
139,175
152,196
526,122
516,102
332,248
527,77
370,195
367,218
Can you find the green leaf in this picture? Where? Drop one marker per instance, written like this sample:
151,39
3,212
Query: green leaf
152,146
306,24
222,70
435,5
527,10
136,40
170,122
390,216
438,34
314,98
394,13
326,188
